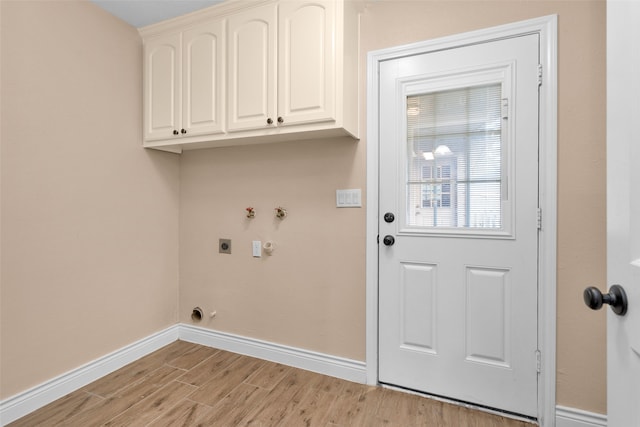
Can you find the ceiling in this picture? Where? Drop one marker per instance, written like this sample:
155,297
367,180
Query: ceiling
141,13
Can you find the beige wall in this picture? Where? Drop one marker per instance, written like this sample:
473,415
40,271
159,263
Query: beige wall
89,219
311,292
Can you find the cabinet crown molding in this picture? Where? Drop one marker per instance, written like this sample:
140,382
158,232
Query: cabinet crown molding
216,11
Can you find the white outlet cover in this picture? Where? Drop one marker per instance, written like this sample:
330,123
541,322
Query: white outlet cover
256,246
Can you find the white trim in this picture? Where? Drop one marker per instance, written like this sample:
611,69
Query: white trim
24,403
35,398
321,363
546,27
571,417
28,401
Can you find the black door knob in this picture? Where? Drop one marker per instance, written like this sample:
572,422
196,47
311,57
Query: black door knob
280,120
175,132
388,240
389,217
616,298
269,121
183,131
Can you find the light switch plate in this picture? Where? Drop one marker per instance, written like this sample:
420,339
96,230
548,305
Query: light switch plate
350,198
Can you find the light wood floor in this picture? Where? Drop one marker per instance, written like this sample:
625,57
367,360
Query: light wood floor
186,384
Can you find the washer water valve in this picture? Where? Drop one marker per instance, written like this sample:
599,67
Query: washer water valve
251,212
281,212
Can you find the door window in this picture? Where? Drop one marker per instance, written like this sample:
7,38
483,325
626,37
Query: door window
455,155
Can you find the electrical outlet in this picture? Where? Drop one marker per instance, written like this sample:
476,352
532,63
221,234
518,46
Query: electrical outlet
256,246
224,246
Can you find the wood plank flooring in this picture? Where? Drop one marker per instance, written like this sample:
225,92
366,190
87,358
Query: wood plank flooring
186,384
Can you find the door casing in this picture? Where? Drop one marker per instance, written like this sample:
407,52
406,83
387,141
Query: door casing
547,28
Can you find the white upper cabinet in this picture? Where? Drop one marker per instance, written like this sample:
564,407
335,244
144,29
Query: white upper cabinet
306,62
162,89
184,76
203,79
282,74
252,68
285,70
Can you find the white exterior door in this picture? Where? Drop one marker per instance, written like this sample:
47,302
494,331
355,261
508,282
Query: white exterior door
458,252
623,210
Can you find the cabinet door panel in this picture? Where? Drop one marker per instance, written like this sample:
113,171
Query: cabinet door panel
203,91
162,88
252,68
306,80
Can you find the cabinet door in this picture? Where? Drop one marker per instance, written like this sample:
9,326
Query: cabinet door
162,92
252,68
306,57
202,79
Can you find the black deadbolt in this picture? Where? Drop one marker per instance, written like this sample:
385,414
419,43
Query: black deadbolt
389,217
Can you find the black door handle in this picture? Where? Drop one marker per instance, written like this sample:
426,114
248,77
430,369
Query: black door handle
388,240
616,298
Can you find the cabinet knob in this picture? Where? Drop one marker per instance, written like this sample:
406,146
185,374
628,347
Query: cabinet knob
280,120
269,121
183,131
175,132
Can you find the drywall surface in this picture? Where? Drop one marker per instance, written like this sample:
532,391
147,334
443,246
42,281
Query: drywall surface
309,292
89,218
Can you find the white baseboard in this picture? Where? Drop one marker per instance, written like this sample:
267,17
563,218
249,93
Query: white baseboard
28,401
571,417
321,363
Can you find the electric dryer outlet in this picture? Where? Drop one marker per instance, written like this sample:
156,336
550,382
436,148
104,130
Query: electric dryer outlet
224,246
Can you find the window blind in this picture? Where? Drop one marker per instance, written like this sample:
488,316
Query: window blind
454,170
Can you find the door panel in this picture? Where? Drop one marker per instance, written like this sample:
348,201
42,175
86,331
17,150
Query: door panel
203,79
306,56
458,165
418,311
163,95
252,68
488,316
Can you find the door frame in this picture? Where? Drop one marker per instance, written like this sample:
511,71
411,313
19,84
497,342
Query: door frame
547,29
